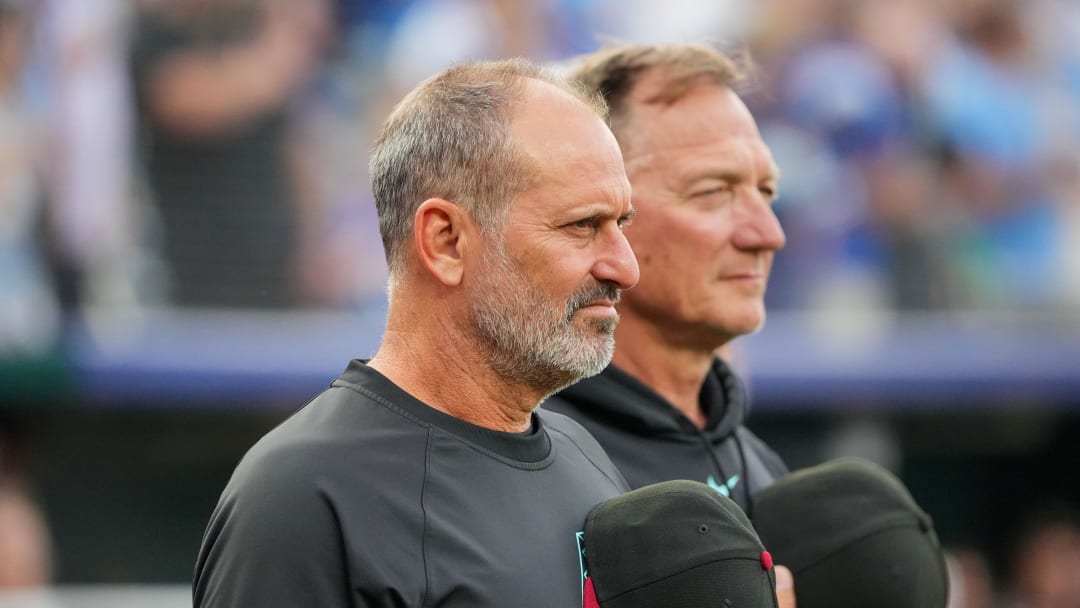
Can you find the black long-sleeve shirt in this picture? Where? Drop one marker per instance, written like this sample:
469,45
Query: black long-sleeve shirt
368,497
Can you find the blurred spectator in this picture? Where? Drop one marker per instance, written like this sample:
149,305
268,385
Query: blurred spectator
970,582
482,29
721,22
25,547
545,29
215,83
839,116
982,96
83,96
1055,26
1045,568
28,309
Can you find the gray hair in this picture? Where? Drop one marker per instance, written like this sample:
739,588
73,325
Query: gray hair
450,138
613,71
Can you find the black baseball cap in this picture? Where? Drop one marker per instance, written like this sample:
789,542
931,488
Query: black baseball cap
675,544
852,535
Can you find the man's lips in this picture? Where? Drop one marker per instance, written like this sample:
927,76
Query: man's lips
744,275
602,307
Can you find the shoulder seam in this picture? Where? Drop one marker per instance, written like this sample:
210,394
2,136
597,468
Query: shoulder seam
619,486
381,401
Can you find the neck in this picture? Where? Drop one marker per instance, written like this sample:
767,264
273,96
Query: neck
437,362
675,372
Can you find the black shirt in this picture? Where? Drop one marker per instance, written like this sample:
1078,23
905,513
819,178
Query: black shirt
368,497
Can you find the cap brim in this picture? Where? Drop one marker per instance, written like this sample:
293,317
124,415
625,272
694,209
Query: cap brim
742,581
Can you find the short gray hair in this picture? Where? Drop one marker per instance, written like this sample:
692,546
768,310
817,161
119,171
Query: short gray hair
450,138
613,71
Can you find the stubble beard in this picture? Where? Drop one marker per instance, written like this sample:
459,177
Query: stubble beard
531,342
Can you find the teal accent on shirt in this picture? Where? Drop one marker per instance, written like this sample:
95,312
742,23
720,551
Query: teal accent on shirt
581,561
726,488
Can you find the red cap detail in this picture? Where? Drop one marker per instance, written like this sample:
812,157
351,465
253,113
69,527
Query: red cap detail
766,560
589,599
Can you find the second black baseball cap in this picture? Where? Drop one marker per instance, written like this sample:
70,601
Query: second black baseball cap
853,536
676,544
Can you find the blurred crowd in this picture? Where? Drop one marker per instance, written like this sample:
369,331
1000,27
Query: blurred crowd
930,152
1040,570
212,153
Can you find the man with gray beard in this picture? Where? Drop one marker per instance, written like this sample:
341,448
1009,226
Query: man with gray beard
426,476
528,339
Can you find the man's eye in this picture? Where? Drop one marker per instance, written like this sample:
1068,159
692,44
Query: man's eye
623,222
713,196
714,190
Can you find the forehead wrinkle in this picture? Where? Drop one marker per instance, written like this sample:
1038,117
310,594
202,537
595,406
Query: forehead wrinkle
577,188
733,149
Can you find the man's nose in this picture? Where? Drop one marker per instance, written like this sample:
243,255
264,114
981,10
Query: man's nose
758,227
617,263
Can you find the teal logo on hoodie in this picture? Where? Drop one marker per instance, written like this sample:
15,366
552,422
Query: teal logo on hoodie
724,488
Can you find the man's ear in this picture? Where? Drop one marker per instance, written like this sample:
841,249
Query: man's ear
441,230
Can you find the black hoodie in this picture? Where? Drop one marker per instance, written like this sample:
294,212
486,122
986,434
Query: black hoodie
651,441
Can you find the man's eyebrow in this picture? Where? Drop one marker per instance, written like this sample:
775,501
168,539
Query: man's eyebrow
688,175
723,173
597,212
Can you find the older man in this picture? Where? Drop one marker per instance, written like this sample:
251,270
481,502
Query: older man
423,477
703,183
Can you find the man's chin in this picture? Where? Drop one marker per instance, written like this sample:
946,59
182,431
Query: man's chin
747,321
575,376
586,367
757,323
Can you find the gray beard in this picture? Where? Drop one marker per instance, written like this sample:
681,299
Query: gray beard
527,340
